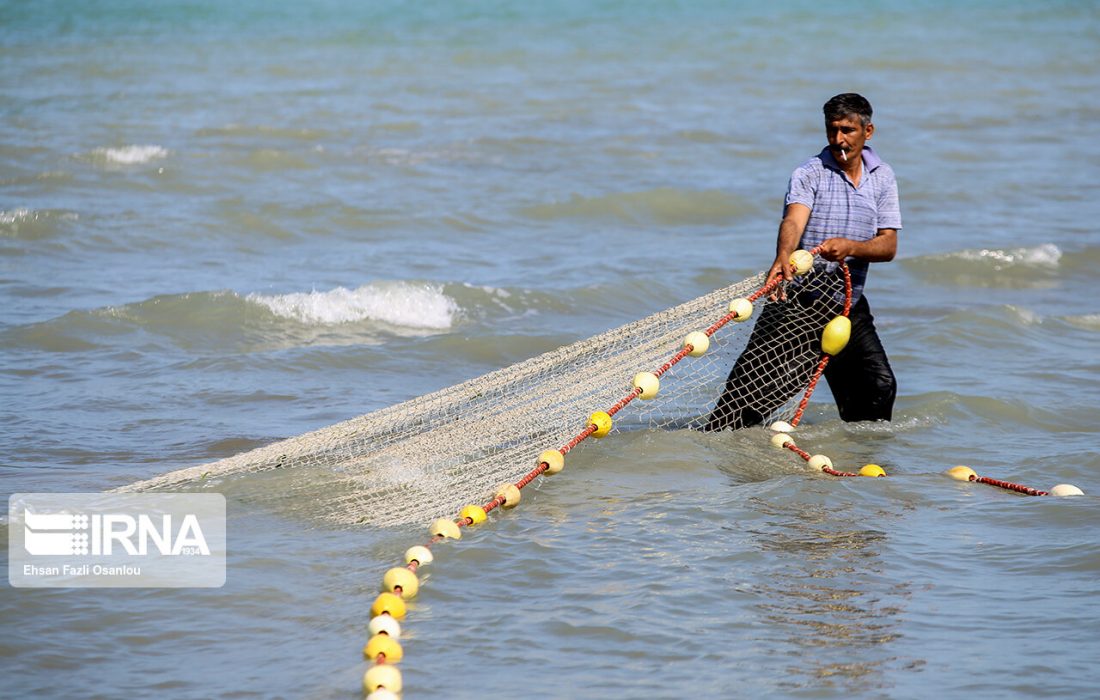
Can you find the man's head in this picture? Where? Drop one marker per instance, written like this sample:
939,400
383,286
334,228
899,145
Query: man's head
848,125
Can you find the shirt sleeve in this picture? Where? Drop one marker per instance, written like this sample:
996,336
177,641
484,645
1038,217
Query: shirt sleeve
889,211
801,187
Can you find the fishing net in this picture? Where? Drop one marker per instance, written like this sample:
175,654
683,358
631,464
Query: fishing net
427,457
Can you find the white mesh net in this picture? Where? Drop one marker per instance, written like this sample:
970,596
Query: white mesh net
429,456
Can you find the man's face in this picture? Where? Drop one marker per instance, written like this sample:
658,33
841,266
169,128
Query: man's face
846,137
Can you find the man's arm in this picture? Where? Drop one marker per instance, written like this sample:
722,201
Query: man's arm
881,248
791,228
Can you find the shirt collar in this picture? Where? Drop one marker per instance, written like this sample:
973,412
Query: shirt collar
870,159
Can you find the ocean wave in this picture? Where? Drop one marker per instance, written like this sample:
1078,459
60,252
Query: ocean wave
665,206
202,321
1089,322
407,304
31,224
130,155
1036,266
1045,255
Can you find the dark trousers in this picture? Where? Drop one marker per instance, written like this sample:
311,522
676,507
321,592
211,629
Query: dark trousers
773,369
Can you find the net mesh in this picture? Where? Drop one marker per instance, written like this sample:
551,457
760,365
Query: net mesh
427,457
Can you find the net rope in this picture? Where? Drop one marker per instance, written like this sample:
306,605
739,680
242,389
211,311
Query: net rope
428,456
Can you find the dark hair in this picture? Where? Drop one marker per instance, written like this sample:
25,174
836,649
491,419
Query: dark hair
848,104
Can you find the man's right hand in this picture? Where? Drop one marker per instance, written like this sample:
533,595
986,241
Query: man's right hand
795,217
783,270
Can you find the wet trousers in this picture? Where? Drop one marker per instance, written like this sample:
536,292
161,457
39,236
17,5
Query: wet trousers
762,380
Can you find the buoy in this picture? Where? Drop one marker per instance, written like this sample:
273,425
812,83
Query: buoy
384,624
648,383
781,426
1066,490
781,439
476,514
699,342
383,644
871,470
383,694
420,554
802,260
555,461
382,676
602,421
962,473
403,578
509,493
741,310
836,334
819,463
445,527
389,604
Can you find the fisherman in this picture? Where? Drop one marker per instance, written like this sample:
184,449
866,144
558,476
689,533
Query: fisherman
845,201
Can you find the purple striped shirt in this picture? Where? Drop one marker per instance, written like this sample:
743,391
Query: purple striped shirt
839,209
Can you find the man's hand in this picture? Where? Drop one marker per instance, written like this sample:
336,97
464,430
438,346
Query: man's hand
791,227
783,270
837,249
881,248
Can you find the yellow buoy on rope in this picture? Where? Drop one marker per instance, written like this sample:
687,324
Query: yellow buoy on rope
382,676
388,604
699,342
555,461
871,470
836,335
962,473
603,424
386,645
445,527
802,261
648,383
741,310
400,577
475,514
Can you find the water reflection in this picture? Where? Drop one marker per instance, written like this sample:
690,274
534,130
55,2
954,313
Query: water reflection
831,607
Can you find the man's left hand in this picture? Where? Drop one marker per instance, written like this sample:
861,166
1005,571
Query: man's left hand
837,249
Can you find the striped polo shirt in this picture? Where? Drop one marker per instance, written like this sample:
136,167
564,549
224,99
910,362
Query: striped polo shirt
840,209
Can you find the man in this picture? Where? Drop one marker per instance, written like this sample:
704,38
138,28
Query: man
845,200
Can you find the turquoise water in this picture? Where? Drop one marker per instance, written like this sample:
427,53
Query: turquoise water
223,225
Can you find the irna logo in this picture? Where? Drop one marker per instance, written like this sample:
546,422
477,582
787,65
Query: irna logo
68,534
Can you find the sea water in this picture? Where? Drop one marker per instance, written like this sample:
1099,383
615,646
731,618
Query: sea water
222,224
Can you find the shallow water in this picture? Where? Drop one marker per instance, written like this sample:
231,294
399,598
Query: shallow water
220,226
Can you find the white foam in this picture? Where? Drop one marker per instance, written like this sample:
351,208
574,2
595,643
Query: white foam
1046,255
422,306
24,215
1087,321
1026,317
132,155
10,217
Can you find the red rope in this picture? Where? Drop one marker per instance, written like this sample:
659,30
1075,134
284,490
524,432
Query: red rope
673,360
810,389
579,439
798,451
542,466
834,472
1019,488
718,324
624,401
